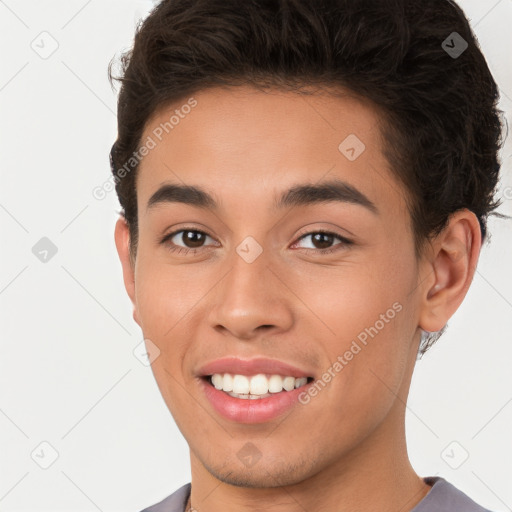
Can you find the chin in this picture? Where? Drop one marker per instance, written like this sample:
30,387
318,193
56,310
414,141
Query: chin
262,475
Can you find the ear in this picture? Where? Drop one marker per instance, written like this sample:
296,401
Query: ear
122,239
451,265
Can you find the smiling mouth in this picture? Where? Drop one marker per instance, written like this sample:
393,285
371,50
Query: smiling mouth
253,387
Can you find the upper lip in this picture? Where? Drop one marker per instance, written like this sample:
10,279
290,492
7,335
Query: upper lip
235,365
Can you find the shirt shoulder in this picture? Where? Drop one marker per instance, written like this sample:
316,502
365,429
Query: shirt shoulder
445,497
176,502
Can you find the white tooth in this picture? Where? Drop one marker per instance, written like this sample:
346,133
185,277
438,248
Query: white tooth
259,384
254,397
300,382
228,382
240,384
289,383
275,384
217,380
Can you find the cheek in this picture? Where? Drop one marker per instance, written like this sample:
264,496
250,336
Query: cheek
357,298
368,322
166,294
165,297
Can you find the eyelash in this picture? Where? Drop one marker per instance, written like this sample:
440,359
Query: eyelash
185,250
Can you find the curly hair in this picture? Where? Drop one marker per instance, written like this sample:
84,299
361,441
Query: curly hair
440,122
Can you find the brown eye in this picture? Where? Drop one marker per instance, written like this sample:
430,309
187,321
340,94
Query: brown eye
192,239
185,240
323,242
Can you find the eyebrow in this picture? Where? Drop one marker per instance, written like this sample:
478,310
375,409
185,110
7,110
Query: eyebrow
298,195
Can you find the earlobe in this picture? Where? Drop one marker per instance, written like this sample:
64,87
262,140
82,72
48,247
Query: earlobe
452,266
122,240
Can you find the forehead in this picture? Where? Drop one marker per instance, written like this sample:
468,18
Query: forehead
243,142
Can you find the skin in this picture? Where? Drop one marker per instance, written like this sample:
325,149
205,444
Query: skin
346,448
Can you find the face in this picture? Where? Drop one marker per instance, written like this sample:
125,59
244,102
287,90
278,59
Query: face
254,278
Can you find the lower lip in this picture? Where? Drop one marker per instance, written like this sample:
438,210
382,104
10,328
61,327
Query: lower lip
250,410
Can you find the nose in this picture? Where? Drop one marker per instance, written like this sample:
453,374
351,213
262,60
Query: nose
251,300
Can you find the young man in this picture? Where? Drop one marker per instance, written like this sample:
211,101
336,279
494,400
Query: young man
304,188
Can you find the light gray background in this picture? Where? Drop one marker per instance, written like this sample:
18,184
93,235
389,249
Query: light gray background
68,375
